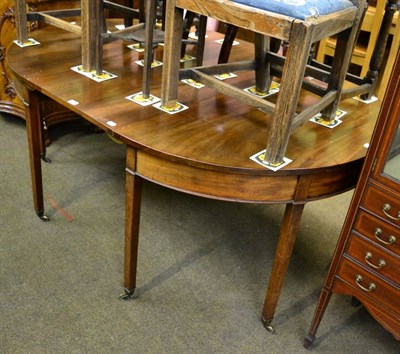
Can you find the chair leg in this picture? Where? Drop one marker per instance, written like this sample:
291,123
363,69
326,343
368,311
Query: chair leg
92,46
340,65
21,21
379,50
291,82
148,46
128,21
261,48
188,23
226,47
172,51
201,40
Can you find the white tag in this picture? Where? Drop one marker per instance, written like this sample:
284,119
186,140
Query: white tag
73,102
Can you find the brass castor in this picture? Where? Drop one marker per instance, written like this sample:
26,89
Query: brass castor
308,341
127,294
42,217
267,325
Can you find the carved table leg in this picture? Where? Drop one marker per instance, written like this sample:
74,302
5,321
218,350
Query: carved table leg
133,190
34,132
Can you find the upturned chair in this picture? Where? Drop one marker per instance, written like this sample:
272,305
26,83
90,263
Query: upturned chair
94,33
300,23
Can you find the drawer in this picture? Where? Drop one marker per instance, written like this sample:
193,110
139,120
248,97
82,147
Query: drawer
369,284
378,231
385,205
374,258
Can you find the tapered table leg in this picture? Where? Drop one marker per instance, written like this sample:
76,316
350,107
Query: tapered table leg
33,128
319,313
133,200
287,236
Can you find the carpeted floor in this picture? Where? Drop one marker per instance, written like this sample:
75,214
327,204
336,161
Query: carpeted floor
203,264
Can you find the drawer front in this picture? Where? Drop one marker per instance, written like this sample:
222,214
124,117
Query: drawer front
374,258
385,205
370,285
378,231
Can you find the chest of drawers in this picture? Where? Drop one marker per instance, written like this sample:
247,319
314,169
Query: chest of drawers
366,262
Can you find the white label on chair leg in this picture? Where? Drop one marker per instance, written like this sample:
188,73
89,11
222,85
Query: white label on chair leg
139,99
104,76
136,47
260,159
186,58
339,114
178,108
225,76
274,88
371,100
193,83
30,42
326,124
220,41
73,102
154,64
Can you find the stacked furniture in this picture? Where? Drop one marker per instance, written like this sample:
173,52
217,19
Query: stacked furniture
299,24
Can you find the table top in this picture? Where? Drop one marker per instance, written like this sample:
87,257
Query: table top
215,133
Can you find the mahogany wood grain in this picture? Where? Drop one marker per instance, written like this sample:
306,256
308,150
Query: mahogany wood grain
374,257
33,129
378,231
204,150
375,200
133,197
388,296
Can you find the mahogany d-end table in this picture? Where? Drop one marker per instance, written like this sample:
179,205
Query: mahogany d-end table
204,150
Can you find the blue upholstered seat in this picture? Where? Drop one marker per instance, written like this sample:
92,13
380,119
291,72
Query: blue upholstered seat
299,9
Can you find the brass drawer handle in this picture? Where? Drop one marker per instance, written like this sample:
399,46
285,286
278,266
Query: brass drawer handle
378,233
381,262
370,288
386,208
